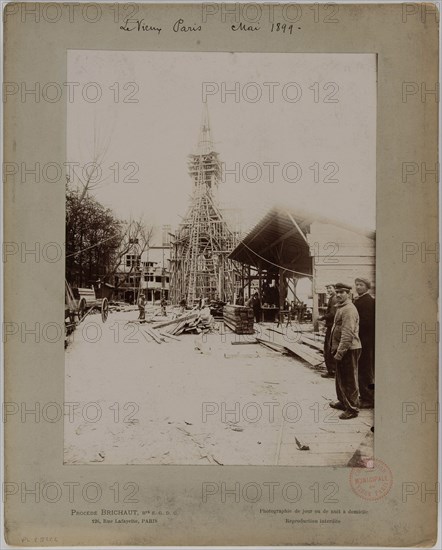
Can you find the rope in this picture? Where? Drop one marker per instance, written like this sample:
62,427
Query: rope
277,265
92,246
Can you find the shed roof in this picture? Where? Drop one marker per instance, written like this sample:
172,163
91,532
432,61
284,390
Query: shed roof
279,240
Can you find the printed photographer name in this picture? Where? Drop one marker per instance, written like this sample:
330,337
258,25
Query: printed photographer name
140,25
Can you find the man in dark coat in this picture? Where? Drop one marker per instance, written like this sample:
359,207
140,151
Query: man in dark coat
255,303
329,317
346,349
365,305
142,306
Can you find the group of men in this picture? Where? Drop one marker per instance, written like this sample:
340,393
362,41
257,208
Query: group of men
349,346
142,306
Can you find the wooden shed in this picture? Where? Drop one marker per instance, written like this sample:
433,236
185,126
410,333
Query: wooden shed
288,245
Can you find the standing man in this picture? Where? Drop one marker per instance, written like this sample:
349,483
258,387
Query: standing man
255,303
329,317
365,305
142,306
346,349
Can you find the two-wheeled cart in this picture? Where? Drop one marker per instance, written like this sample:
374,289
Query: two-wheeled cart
79,303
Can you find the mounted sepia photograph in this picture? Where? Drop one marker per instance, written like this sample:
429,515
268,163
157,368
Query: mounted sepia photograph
221,259
238,204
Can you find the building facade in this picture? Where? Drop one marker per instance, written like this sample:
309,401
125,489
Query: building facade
148,270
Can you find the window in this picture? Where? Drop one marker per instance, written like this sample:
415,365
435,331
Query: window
158,279
131,260
128,260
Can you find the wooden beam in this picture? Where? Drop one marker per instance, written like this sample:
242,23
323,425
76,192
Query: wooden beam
281,286
315,314
162,324
153,334
278,240
305,353
292,219
168,335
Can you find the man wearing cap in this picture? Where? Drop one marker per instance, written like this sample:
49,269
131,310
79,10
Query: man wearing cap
346,348
365,305
329,317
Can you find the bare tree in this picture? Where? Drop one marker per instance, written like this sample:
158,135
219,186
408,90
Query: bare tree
133,236
135,239
90,177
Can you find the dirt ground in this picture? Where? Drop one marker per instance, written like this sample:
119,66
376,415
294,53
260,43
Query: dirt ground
200,400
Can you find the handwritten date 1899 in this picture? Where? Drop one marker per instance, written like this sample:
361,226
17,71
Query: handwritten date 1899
284,28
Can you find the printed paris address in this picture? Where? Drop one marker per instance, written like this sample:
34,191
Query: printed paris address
106,516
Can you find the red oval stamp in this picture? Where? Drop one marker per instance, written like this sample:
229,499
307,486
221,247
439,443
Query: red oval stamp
372,482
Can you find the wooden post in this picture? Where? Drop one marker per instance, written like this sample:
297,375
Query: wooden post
315,301
281,294
221,280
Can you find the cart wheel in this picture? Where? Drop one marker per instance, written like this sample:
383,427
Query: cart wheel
81,309
104,310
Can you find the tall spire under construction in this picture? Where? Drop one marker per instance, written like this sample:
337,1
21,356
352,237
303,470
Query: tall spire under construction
200,267
205,143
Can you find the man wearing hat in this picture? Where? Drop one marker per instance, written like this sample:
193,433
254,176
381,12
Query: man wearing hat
365,305
346,349
329,317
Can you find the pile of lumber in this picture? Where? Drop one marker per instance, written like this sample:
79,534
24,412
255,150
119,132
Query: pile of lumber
239,319
156,335
196,322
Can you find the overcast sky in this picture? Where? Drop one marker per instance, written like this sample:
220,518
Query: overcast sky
161,129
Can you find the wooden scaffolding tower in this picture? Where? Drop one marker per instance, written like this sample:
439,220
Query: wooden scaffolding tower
200,267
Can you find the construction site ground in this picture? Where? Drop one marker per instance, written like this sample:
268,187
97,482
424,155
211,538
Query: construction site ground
200,400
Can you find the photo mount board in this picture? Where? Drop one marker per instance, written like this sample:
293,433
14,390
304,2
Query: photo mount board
406,45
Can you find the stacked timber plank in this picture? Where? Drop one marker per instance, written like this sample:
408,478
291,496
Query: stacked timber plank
196,322
239,319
